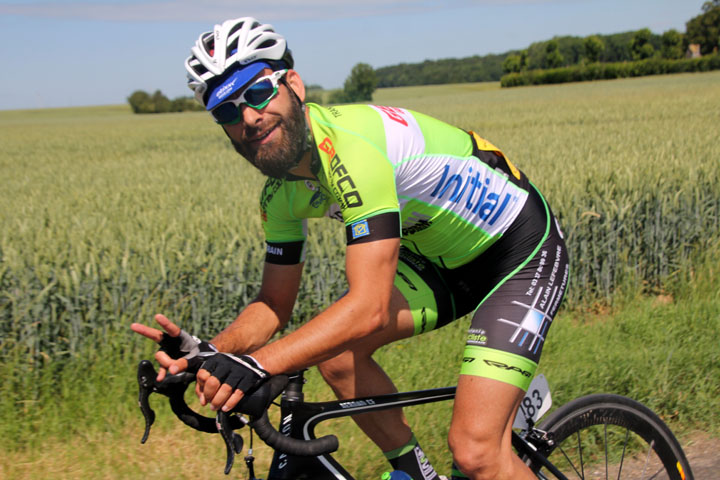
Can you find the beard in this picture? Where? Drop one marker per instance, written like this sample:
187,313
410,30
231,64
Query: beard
275,159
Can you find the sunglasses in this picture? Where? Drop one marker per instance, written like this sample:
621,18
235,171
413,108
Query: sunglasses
257,96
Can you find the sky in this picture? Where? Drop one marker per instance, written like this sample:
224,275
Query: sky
63,53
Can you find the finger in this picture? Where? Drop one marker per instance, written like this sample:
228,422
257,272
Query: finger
200,380
221,396
211,386
236,396
179,365
164,359
152,333
161,374
172,329
198,392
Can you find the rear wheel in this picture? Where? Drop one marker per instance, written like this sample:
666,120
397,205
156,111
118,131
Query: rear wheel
612,437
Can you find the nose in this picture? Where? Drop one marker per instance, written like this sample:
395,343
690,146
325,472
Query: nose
250,115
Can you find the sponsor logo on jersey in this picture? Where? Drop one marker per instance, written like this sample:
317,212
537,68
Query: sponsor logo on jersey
272,185
327,147
484,194
416,222
394,114
360,229
341,182
318,199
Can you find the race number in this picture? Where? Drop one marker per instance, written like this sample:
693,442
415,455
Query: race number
535,404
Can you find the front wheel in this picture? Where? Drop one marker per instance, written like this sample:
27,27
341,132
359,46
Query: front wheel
608,436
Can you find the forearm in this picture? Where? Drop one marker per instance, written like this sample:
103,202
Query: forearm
325,336
252,329
266,314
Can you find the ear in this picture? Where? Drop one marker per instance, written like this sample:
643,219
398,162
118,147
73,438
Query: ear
295,82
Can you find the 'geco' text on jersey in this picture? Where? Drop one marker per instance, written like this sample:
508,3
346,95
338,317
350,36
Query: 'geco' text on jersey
343,187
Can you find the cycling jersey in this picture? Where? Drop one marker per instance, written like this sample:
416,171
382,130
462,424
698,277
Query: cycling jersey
475,234
391,172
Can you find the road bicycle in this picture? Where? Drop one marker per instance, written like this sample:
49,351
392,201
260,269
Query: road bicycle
599,436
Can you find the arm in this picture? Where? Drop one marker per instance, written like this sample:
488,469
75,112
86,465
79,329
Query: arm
266,314
370,270
365,309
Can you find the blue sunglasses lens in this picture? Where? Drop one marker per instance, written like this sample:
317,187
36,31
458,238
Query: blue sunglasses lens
259,93
226,113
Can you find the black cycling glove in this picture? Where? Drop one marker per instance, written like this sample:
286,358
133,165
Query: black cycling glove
242,373
189,347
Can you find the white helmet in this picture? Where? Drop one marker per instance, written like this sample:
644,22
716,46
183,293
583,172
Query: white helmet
239,45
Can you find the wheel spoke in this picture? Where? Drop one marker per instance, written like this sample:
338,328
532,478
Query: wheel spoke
647,457
606,450
570,462
580,452
622,457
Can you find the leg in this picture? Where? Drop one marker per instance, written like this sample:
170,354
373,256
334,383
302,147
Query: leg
354,373
481,428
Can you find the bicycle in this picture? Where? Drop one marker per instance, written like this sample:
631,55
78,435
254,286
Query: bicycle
595,436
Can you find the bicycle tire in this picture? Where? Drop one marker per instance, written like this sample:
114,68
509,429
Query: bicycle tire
643,446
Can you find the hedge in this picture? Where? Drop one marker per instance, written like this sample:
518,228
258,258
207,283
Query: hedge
607,71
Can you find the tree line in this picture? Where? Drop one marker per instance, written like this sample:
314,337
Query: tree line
578,57
564,51
358,87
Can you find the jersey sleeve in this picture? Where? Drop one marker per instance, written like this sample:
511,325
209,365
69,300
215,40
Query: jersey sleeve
285,233
359,175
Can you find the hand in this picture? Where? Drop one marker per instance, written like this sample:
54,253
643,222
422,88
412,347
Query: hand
179,351
224,379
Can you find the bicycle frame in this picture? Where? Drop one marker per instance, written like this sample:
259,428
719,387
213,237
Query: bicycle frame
299,419
308,457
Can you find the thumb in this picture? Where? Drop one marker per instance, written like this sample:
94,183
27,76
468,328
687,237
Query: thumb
179,365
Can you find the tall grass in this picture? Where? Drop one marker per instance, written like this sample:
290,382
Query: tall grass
109,217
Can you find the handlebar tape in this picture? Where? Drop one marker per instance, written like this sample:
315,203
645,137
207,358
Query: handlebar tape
290,445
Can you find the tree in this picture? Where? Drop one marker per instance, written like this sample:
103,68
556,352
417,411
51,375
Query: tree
553,58
512,64
139,101
641,46
594,48
142,102
361,83
672,45
705,28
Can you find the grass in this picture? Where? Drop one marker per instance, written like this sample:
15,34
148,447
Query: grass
109,217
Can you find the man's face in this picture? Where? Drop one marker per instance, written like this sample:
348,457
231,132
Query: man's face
271,138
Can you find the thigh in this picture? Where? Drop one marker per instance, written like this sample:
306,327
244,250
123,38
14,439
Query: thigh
484,409
510,325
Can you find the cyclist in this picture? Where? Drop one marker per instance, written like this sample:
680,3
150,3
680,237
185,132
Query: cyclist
439,224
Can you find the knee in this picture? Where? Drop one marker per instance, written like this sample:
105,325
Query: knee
338,368
478,457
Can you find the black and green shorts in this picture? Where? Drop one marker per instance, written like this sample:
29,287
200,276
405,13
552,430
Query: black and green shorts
514,288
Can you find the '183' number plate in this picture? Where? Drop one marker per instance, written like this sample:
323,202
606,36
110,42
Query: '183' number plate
535,404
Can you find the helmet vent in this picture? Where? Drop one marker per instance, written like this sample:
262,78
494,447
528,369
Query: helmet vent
267,44
237,27
233,46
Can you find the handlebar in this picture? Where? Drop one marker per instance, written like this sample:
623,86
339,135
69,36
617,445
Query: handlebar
254,405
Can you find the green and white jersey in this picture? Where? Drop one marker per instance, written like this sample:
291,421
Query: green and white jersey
388,172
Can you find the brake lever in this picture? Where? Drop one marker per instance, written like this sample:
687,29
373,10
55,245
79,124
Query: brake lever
146,378
233,441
